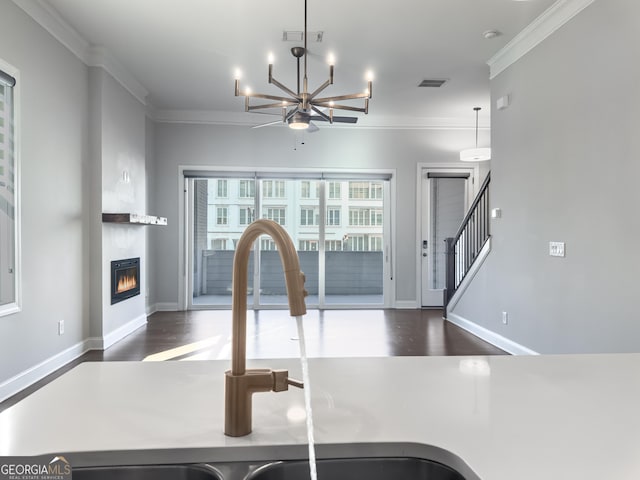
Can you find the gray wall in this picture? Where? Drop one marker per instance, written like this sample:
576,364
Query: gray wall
79,129
565,168
337,148
54,150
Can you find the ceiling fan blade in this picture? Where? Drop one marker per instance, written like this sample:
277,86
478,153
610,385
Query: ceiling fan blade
267,124
312,128
336,119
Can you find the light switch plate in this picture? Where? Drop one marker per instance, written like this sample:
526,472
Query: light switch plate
556,249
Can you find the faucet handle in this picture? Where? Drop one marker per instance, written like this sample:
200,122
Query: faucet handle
281,381
295,383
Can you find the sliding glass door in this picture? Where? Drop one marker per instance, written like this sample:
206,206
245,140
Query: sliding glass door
339,227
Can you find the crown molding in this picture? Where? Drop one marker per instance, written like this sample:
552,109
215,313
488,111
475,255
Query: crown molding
535,33
52,22
98,56
94,56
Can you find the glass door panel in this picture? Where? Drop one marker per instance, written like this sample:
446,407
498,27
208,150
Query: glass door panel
222,209
354,243
294,204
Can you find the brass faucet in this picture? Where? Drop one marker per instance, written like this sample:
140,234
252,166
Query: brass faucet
240,383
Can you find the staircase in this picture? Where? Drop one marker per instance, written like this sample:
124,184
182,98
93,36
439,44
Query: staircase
464,248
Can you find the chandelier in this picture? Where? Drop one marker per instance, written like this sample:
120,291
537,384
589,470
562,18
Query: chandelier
299,107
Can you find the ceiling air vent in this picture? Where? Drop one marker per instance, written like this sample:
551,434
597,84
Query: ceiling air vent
432,82
296,36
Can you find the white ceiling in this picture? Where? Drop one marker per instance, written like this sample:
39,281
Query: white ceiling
185,52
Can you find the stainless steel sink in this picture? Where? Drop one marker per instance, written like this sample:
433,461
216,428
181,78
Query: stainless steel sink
148,472
399,468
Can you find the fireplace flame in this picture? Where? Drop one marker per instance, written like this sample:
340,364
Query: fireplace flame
126,282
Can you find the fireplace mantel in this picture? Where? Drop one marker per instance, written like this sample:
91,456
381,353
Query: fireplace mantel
133,219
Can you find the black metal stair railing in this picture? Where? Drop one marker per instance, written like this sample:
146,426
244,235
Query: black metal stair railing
463,249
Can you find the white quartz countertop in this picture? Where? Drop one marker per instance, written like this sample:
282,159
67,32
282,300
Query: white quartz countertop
502,418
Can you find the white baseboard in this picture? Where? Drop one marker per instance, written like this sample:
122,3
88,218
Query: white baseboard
167,307
493,338
121,332
406,305
152,308
30,376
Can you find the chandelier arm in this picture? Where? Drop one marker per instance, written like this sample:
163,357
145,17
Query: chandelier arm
342,107
320,89
273,97
353,96
266,105
284,88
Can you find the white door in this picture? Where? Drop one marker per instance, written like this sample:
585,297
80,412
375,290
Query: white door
445,197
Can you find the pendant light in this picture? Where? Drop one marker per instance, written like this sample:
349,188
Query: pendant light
476,154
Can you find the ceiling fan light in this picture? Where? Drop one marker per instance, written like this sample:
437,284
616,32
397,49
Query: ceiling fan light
475,154
297,125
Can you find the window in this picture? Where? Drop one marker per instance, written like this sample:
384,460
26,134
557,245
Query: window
247,214
365,190
333,245
333,216
335,190
375,243
273,188
305,189
365,217
222,216
223,191
277,214
356,243
267,244
308,245
376,191
309,217
376,217
247,188
359,217
218,244
358,190
9,249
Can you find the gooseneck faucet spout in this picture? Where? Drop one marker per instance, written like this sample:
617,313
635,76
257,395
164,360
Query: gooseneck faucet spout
240,383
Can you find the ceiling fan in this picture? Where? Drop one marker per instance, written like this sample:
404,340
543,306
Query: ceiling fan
301,107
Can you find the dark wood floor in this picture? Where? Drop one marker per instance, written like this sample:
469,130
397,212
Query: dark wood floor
206,334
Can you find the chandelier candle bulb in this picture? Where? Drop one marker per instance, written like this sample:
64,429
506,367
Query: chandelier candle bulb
237,87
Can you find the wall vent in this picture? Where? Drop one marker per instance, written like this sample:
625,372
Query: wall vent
432,82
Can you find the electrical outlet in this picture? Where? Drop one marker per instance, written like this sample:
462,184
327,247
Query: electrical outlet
61,327
505,318
556,249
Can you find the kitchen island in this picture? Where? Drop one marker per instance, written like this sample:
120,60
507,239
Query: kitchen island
492,418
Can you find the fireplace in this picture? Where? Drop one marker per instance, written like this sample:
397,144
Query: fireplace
125,279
